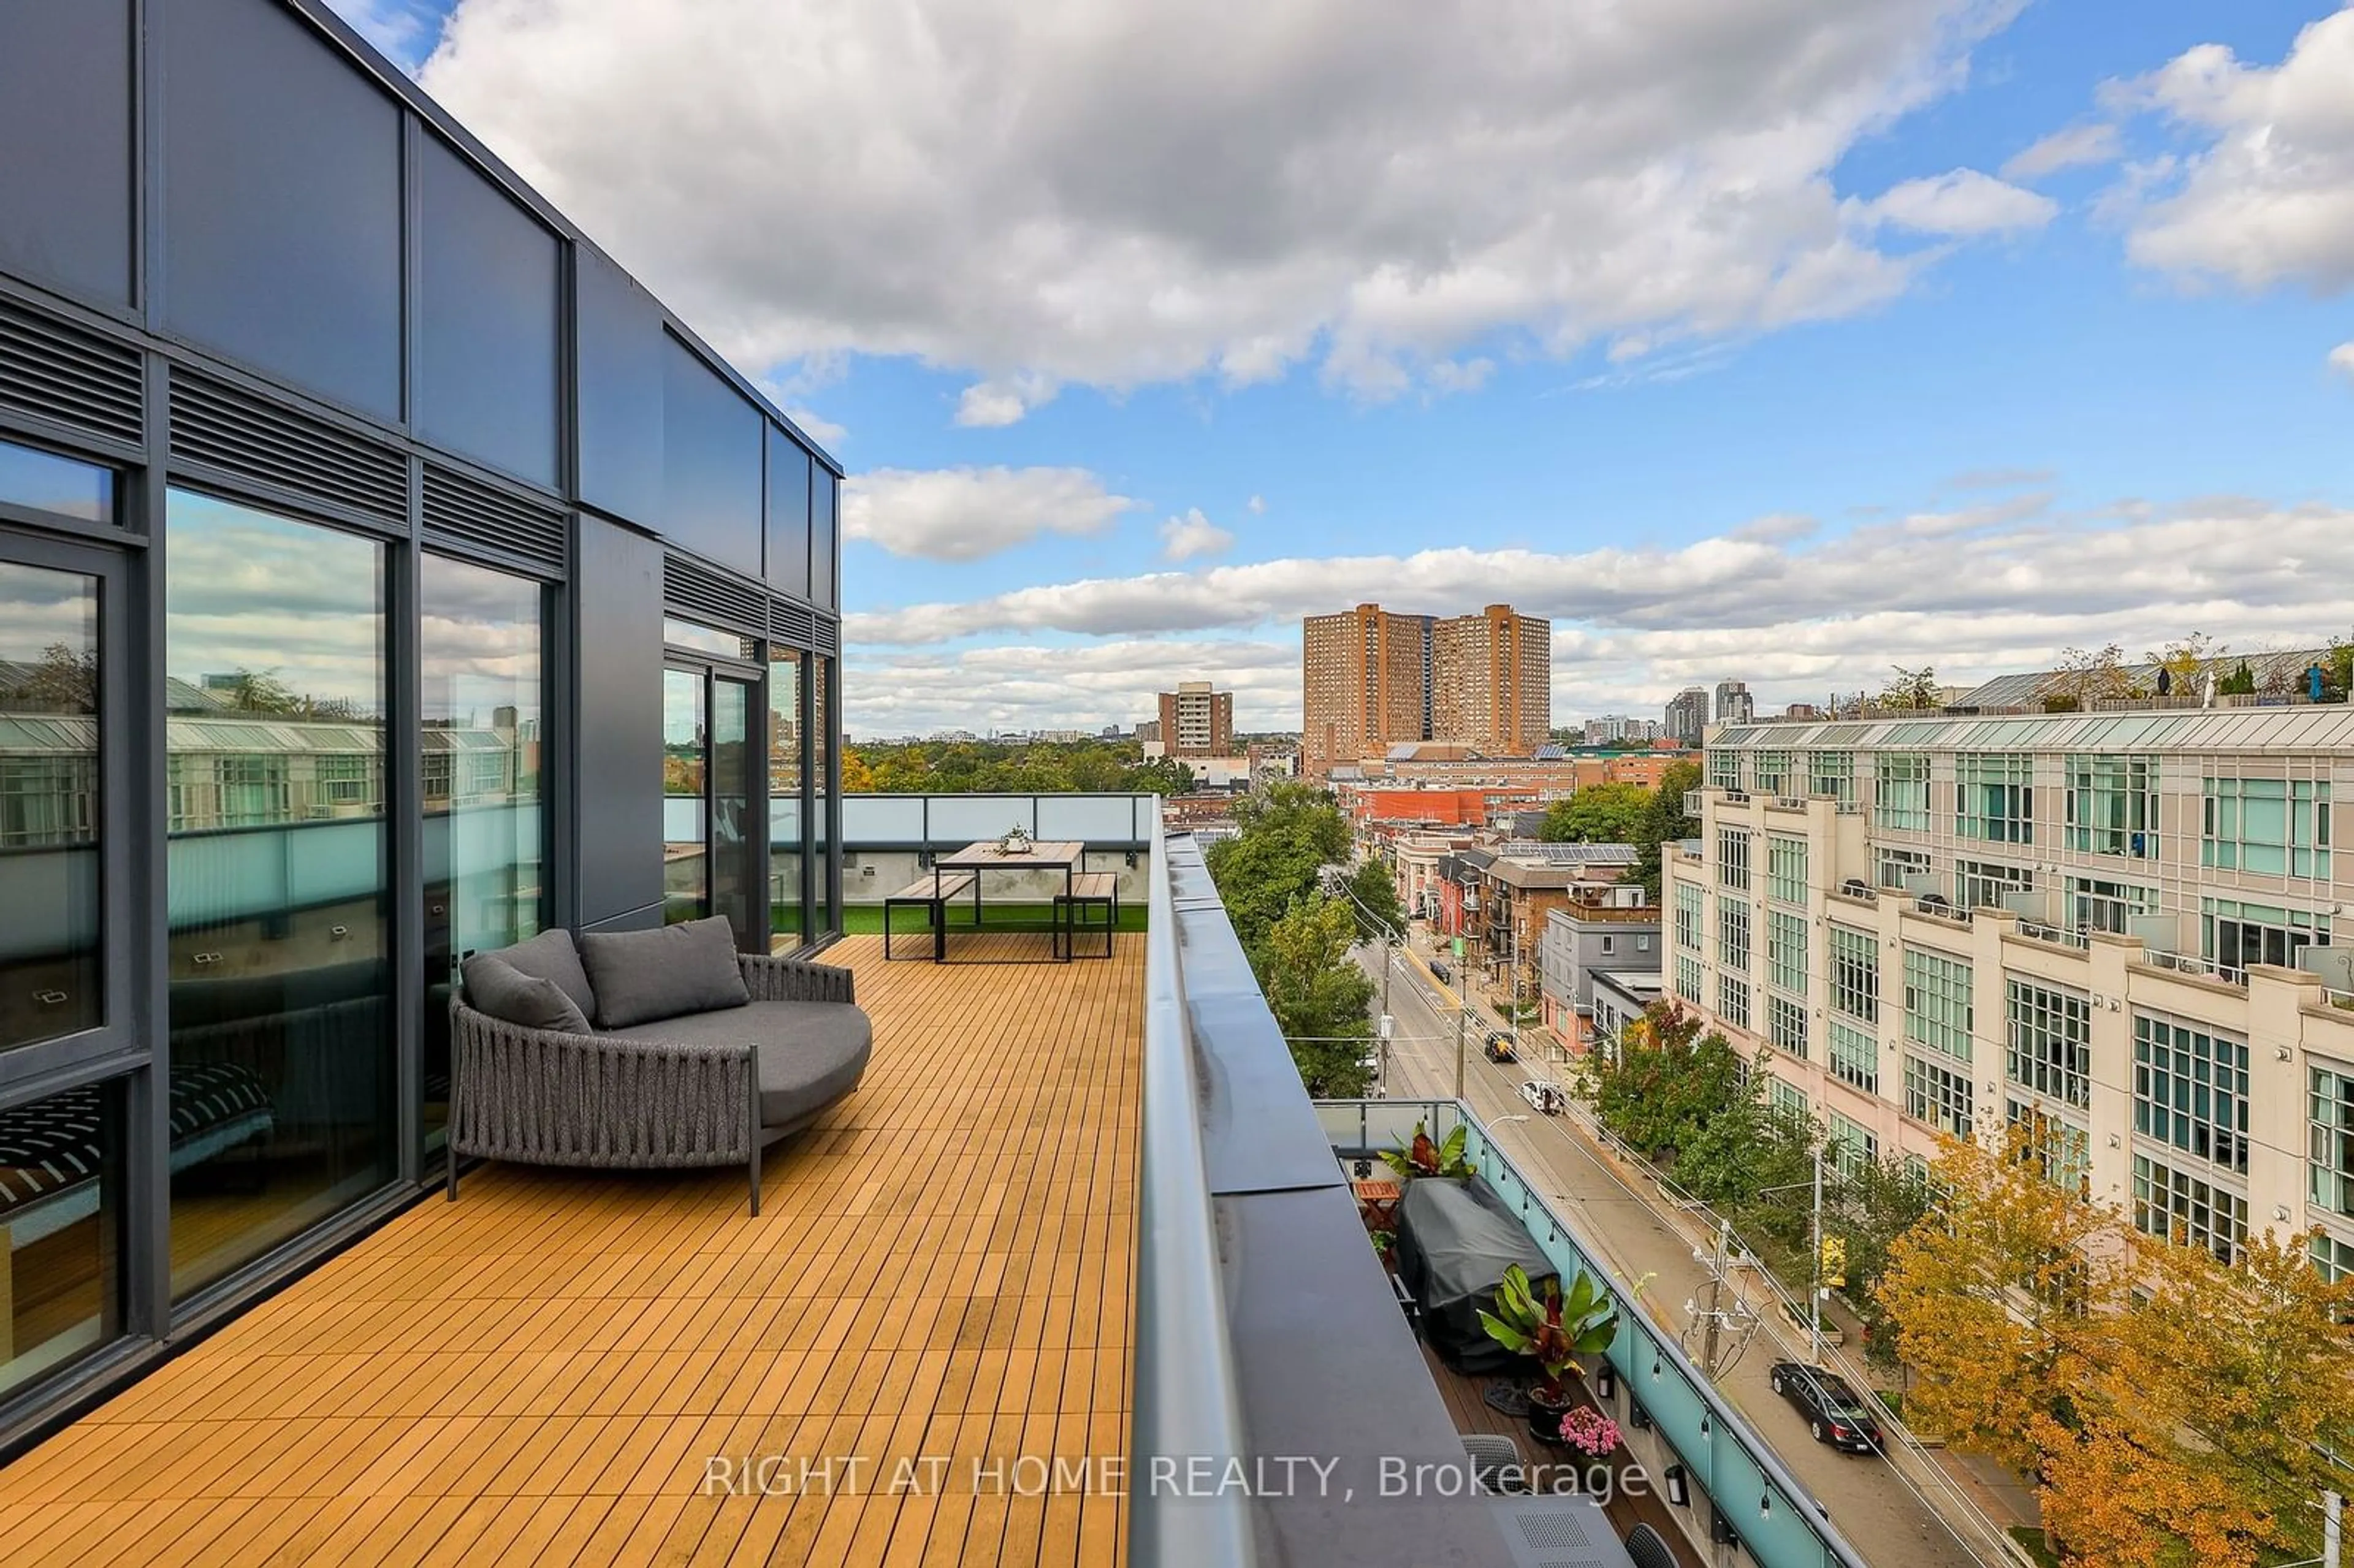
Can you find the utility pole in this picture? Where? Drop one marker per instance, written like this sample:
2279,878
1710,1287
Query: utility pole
2333,1537
1815,1293
1716,1301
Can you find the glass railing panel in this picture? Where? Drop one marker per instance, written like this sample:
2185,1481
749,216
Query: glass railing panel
1094,819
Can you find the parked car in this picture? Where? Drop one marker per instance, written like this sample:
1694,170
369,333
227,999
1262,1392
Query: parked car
1500,1046
1835,1413
1440,972
1545,1095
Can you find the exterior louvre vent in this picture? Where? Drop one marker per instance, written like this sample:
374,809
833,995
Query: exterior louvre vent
467,511
829,636
60,373
696,590
222,428
792,624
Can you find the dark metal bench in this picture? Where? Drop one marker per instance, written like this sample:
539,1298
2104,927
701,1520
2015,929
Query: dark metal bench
1095,891
931,894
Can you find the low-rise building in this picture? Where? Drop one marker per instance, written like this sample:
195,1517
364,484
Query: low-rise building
1582,938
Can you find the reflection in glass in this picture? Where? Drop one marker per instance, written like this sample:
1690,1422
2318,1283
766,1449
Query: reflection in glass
54,484
60,1228
479,642
786,728
680,633
49,953
686,872
281,1041
734,882
822,911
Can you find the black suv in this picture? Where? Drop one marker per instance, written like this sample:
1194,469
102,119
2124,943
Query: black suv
1835,1413
1441,973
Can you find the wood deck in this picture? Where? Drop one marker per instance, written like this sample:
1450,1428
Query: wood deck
546,1372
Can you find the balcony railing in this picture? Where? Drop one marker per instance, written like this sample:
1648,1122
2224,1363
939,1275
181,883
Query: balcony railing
2040,931
1779,1522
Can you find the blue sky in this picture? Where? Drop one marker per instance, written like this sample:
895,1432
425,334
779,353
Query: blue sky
1748,345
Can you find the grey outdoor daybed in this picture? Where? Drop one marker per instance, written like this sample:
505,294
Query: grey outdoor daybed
697,1055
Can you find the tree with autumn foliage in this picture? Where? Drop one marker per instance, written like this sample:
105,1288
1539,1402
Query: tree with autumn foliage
1998,1297
2178,1410
2199,1436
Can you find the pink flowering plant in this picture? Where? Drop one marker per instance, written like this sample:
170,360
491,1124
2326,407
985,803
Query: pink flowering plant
1590,1432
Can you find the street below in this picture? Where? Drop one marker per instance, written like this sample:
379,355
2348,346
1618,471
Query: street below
1875,1501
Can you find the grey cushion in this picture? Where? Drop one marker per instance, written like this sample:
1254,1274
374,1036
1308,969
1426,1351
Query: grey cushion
640,975
811,1053
550,956
496,987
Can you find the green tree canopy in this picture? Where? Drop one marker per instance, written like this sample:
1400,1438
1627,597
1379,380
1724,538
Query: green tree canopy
1373,898
1598,814
1320,998
1664,822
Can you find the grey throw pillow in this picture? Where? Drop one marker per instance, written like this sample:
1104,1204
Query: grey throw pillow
550,956
496,987
641,976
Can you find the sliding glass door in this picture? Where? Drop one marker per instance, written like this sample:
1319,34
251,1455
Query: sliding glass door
483,706
711,830
281,1079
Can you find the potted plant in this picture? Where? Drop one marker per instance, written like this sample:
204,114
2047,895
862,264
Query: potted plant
1587,1430
1552,1329
1423,1158
1385,1248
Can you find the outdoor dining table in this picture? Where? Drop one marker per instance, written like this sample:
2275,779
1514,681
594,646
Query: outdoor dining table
988,855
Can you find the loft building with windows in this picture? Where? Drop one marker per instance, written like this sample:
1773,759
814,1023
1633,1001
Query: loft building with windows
2127,934
385,575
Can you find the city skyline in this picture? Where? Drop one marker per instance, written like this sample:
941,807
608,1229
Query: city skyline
1933,407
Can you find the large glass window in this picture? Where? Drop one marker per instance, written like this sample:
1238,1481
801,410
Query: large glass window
1900,791
788,794
2333,1257
2179,1205
1732,934
1984,884
2236,935
1855,1057
1688,917
2331,1156
2271,826
482,701
1831,773
1785,951
1850,1144
2062,1150
1938,1095
1725,769
51,964
1994,797
1733,1000
1898,867
281,1075
2190,1090
686,852
1733,859
1786,1025
735,884
1937,1002
2051,1048
1785,868
2112,805
1772,771
1688,979
60,1229
1855,974
2097,905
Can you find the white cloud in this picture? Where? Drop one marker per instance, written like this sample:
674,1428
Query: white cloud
988,405
1958,204
1182,538
2341,359
1157,190
1257,505
2070,147
2269,196
965,513
816,427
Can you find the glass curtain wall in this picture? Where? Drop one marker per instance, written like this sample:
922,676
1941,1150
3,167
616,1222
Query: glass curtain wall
282,1081
60,1157
735,879
788,774
482,704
